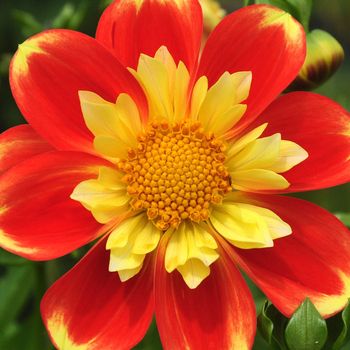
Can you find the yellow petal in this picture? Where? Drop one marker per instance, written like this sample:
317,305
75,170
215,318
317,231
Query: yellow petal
105,197
111,146
198,95
290,155
125,275
119,237
194,272
276,226
227,92
129,243
217,101
181,83
191,252
242,227
123,259
258,154
241,84
119,122
237,144
257,179
129,119
227,120
154,78
94,194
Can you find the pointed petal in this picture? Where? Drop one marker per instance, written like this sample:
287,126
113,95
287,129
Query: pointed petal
38,220
53,66
218,314
261,39
90,308
18,144
322,128
314,261
129,28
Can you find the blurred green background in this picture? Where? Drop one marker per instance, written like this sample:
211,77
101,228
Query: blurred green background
22,283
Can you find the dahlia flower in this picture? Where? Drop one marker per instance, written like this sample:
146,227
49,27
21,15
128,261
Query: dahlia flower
173,163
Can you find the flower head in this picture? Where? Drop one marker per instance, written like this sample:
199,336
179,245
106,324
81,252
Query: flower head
175,163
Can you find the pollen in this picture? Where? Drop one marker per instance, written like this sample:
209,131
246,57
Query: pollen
176,173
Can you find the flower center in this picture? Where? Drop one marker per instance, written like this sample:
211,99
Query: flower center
175,173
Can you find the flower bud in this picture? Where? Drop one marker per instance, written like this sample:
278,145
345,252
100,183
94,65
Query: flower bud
323,58
213,13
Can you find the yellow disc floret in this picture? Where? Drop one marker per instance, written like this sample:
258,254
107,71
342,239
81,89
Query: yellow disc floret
175,173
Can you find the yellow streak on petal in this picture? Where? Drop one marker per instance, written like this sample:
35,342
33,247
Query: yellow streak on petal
328,305
139,3
60,334
273,17
8,243
29,47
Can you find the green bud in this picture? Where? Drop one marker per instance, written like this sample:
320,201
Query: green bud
323,58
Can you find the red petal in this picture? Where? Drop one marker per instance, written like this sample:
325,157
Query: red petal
38,220
90,306
218,314
261,39
18,144
322,128
46,74
130,28
314,261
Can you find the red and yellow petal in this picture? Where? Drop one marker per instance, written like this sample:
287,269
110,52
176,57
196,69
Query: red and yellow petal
48,71
322,128
313,262
18,144
129,28
89,308
218,314
38,220
261,39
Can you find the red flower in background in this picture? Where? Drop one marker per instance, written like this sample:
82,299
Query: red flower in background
164,157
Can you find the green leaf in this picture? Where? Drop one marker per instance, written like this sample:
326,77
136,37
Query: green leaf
63,17
15,288
265,325
344,217
303,11
248,2
5,59
271,325
27,22
7,258
344,334
306,330
71,16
